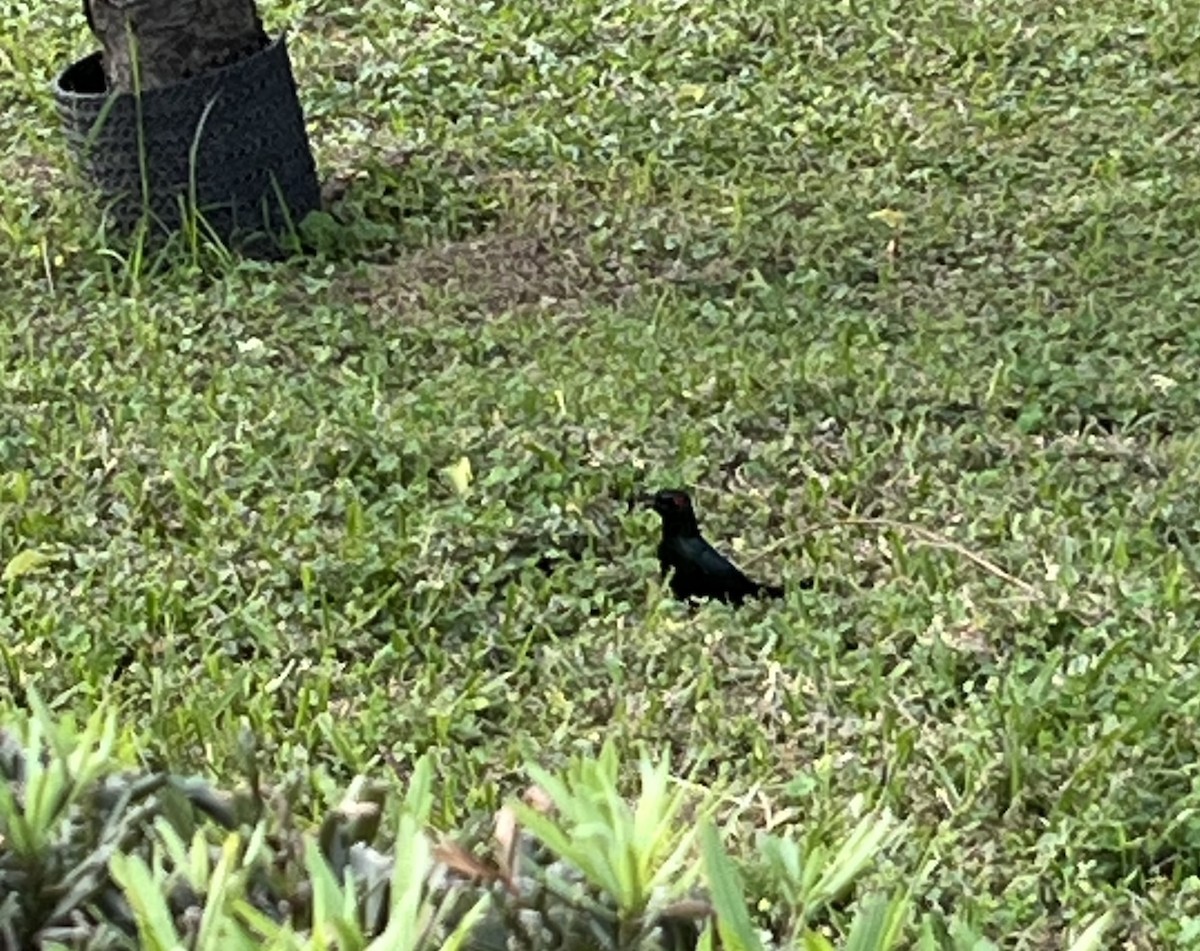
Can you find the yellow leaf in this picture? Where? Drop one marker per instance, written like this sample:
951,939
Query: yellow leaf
889,216
693,90
25,562
459,475
561,399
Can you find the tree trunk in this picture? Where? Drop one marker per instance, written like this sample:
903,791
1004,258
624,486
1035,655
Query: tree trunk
176,39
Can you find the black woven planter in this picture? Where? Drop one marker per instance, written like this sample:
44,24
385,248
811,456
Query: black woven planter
250,146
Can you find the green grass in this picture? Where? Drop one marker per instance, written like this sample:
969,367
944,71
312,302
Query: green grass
593,247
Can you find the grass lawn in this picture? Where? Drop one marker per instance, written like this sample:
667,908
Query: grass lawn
907,293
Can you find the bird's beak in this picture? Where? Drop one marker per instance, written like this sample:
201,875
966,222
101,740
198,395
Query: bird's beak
640,500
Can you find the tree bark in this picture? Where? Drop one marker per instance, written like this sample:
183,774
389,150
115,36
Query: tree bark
175,39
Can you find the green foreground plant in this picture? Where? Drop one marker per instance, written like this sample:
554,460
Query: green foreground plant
904,293
97,855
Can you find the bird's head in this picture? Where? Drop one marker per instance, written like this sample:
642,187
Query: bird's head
668,502
674,507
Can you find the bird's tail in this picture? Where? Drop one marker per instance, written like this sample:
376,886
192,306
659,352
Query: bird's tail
771,591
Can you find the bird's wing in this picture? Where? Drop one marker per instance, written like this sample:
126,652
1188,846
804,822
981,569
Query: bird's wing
715,566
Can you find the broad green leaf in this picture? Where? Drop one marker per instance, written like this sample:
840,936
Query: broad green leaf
156,928
1091,938
455,940
928,939
256,847
638,854
212,923
278,937
870,931
889,216
410,911
459,474
171,843
728,897
418,798
93,753
334,917
13,827
47,787
856,852
24,563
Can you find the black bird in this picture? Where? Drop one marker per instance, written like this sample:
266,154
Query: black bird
698,569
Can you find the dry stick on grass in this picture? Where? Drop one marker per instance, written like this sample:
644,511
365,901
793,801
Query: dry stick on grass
934,540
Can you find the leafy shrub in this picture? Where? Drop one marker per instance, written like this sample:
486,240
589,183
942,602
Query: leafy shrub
96,856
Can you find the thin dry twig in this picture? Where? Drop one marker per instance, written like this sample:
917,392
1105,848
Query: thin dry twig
935,540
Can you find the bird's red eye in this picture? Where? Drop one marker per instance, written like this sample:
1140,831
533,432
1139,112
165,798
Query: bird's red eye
680,502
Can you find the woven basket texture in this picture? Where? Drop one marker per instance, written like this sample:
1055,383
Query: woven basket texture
243,126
